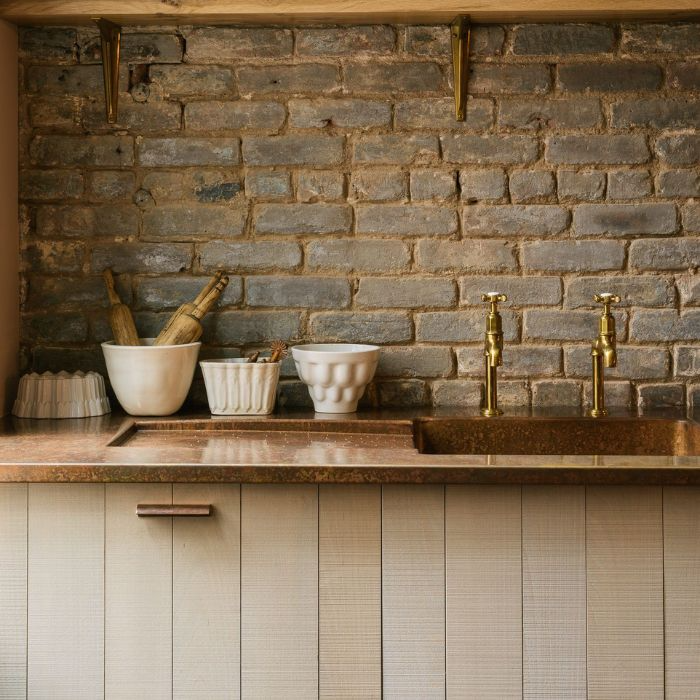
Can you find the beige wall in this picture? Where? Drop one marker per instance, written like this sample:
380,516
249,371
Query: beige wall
9,232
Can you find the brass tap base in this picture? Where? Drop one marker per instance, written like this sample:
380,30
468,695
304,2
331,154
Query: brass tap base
597,412
490,412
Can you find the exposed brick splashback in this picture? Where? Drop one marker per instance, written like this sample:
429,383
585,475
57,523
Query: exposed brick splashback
324,169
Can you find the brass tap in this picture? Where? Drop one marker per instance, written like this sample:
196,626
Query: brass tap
493,352
603,353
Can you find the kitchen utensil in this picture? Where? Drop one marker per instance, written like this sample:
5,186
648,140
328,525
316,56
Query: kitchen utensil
120,318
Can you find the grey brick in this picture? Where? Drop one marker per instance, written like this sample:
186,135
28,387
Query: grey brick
293,150
296,79
633,362
412,361
112,184
617,394
231,116
531,185
691,217
408,393
82,150
573,256
679,149
509,79
136,47
378,185
227,44
294,394
586,185
617,76
481,185
141,257
320,185
406,220
545,113
673,254
298,292
204,186
55,359
249,256
625,219
155,152
681,37
394,78
57,112
644,290
55,256
521,291
185,81
460,326
516,394
486,150
684,76
686,360
48,44
457,392
182,222
678,183
461,256
651,397
665,325
65,293
438,113
513,220
50,184
405,292
657,113
551,324
553,39
394,149
143,118
346,113
160,293
556,392
693,391
379,327
689,289
302,218
345,41
433,185
82,222
613,149
55,328
216,188
83,81
248,327
518,361
486,40
353,255
268,184
629,184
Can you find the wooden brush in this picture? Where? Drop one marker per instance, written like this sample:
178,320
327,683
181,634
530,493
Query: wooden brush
187,328
120,318
189,306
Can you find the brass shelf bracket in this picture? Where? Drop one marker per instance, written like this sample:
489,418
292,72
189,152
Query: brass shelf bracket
460,31
111,38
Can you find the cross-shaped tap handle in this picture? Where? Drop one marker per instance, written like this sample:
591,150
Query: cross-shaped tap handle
493,297
607,298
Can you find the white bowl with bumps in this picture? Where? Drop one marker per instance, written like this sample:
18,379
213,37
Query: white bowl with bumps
336,373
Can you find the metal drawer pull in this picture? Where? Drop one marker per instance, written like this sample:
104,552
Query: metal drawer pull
154,510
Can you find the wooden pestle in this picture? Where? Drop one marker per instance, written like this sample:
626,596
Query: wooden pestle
187,327
120,318
189,306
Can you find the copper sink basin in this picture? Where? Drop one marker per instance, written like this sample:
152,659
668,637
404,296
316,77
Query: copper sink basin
557,436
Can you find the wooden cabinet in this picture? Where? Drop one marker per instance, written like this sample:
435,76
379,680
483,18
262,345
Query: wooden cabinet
333,591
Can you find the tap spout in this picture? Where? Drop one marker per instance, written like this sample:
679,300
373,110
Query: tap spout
603,353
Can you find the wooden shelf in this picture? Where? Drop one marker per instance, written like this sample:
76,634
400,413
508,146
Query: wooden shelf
69,12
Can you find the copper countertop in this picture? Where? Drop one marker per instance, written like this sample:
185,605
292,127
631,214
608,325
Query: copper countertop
371,447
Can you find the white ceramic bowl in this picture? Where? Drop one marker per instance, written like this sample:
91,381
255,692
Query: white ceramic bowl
151,380
336,373
236,387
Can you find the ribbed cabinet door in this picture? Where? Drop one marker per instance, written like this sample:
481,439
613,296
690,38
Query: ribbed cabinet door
138,595
206,595
13,591
413,594
65,637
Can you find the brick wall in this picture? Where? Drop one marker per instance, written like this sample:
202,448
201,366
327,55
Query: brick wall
323,168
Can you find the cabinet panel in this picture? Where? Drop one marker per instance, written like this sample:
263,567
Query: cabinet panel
484,592
554,592
206,595
682,591
413,569
66,591
138,595
625,593
350,585
279,591
13,591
